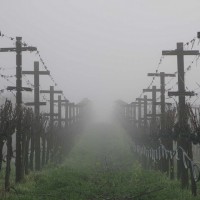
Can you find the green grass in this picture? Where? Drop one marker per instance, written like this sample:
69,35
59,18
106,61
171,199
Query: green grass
100,166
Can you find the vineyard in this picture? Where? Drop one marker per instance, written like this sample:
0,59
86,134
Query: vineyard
33,139
166,138
87,112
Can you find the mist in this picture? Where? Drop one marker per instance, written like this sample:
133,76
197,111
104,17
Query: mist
98,49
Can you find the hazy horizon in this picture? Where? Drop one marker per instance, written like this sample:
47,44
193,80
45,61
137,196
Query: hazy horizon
102,49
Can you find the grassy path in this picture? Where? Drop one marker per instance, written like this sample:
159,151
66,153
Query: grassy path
100,166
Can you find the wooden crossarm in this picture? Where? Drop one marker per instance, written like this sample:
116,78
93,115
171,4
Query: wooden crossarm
34,103
160,103
14,49
22,89
142,99
32,72
181,93
48,91
159,74
177,52
150,90
56,101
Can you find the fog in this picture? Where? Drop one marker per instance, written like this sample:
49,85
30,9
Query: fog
99,49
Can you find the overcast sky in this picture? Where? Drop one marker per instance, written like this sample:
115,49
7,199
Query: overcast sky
100,49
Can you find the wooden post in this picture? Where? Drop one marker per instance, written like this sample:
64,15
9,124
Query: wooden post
71,113
66,104
18,49
145,113
18,162
162,90
144,101
59,112
139,114
132,116
182,115
51,115
36,73
166,142
131,113
153,115
61,102
143,129
51,93
153,126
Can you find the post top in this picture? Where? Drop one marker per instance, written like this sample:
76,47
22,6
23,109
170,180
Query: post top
18,38
180,45
198,35
36,63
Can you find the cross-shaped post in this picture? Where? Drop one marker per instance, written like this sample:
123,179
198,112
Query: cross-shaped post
182,115
18,49
61,102
144,101
36,73
139,113
181,93
153,115
162,103
51,115
162,76
51,92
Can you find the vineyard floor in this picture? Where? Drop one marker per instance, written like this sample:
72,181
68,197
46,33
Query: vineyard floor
100,166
